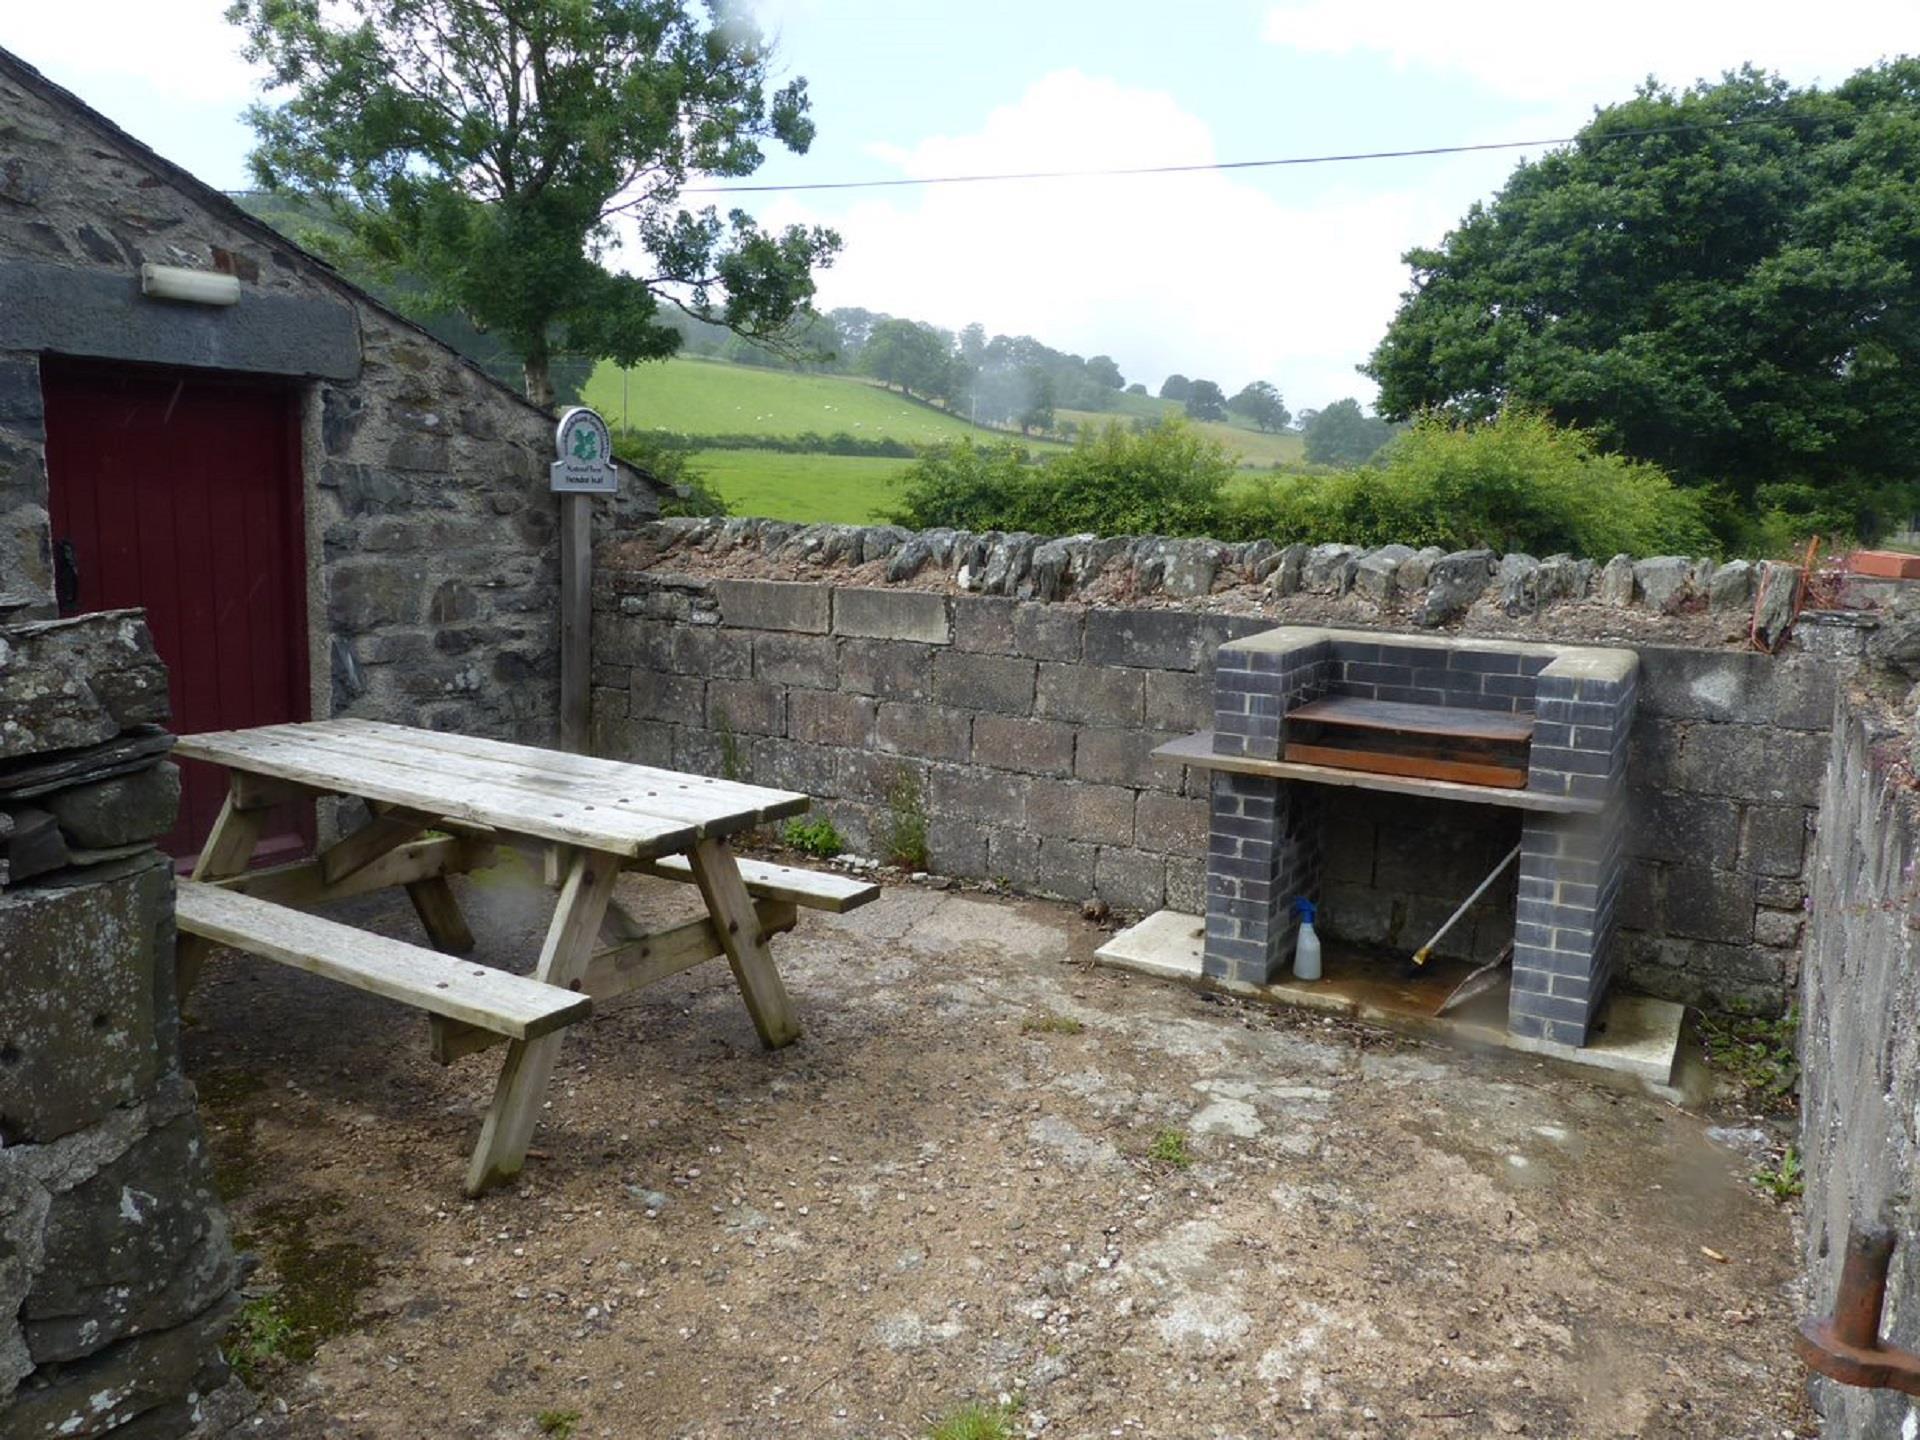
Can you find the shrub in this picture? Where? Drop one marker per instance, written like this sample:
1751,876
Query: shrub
1517,482
815,837
1167,479
659,458
904,838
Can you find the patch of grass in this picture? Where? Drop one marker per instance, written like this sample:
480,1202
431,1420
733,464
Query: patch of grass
260,1339
834,489
557,1423
905,837
976,1422
1756,1054
1785,1180
1049,1023
815,837
1169,1148
693,396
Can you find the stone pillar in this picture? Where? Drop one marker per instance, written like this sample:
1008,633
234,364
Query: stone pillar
117,1275
1570,864
1265,835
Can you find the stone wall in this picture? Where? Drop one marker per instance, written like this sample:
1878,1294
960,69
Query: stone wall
117,1279
1860,1040
1026,727
431,536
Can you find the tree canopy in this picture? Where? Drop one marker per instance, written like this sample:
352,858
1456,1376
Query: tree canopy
1260,402
489,148
1736,299
916,357
1343,434
1205,401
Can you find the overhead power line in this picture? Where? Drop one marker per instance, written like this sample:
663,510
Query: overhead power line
1131,170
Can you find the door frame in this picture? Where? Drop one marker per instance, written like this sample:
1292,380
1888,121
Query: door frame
301,588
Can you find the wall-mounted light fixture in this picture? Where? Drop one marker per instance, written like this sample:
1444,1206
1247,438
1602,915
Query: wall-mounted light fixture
191,287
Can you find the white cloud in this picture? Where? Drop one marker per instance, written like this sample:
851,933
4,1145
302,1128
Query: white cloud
1577,56
181,49
1202,273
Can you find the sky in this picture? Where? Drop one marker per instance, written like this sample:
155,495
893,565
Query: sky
1289,275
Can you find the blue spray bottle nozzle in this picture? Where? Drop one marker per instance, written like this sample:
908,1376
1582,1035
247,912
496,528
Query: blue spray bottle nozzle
1304,908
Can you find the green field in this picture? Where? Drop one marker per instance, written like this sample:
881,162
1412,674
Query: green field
711,397
845,489
1251,447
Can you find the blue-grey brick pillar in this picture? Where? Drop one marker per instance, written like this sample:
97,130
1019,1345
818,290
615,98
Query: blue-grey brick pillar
1570,864
1264,851
1265,837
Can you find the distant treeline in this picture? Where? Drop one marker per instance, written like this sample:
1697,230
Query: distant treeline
1000,380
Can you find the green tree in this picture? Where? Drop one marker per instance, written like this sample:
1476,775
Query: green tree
1175,387
913,356
1342,434
1103,371
1260,402
1736,299
1205,402
489,148
1036,413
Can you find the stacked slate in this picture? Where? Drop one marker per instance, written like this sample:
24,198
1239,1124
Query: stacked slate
83,775
117,1276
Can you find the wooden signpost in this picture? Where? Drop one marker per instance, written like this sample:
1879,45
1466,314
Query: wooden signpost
583,468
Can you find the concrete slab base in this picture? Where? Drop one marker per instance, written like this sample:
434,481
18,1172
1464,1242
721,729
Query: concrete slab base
1638,1036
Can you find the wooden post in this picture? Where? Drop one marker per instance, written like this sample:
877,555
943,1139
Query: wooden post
576,620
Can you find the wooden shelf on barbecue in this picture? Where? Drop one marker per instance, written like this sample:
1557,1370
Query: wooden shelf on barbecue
1449,721
1197,751
1424,742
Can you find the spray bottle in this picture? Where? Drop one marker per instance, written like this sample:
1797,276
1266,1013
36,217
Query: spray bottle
1306,947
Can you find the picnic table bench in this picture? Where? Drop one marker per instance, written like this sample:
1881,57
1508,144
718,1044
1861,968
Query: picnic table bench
440,805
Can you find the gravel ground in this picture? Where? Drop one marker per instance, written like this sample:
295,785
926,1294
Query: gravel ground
945,1192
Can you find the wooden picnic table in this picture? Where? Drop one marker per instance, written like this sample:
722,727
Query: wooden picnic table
439,804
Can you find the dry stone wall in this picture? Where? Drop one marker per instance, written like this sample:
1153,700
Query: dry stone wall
1026,726
117,1278
1420,589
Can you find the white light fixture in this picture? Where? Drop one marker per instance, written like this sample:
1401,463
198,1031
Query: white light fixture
193,287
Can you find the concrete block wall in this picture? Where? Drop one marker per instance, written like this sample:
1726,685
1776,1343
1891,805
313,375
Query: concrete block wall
1028,724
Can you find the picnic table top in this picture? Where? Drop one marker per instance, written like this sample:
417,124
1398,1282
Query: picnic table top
607,805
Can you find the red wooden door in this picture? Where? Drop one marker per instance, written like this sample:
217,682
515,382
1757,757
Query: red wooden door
180,492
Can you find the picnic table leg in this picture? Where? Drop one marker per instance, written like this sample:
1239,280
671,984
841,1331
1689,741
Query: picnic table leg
717,874
228,850
434,902
571,937
390,827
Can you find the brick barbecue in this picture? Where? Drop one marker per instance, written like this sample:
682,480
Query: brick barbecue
1574,708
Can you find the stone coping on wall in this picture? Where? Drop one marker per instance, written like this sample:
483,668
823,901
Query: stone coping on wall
1694,601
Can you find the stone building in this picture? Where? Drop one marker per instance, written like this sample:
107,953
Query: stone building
322,508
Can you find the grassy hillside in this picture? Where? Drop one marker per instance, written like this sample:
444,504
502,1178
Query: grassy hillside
844,489
1251,446
712,397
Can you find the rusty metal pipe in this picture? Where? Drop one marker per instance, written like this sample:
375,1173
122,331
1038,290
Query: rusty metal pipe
1845,1346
